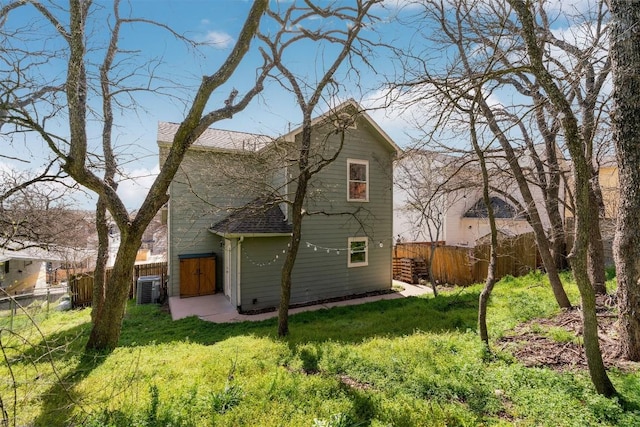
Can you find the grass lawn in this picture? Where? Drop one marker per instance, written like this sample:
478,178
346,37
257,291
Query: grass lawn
404,362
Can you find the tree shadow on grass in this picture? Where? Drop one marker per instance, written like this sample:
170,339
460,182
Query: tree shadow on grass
62,398
55,364
145,325
69,365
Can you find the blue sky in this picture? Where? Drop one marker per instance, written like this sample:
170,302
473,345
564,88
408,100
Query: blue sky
218,22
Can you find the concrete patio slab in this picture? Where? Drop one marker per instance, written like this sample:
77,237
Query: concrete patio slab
216,308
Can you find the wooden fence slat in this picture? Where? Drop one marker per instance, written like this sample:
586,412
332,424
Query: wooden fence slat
81,285
464,266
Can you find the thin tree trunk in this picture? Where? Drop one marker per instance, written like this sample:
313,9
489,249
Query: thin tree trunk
432,255
625,54
489,283
595,260
99,273
292,253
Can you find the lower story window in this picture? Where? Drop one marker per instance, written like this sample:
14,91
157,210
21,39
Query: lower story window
358,252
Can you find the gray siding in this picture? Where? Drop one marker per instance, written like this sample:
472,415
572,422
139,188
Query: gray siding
321,270
261,266
199,196
318,274
208,183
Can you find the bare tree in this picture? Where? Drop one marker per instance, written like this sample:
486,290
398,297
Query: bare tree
74,153
625,60
490,281
470,67
308,95
33,210
496,52
582,172
429,182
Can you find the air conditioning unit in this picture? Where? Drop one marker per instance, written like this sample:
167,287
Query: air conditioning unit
148,289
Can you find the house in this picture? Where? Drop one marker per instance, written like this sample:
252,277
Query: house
438,197
229,213
28,270
456,215
153,248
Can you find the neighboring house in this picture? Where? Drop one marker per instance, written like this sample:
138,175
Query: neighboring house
28,270
154,242
456,214
610,186
228,216
459,209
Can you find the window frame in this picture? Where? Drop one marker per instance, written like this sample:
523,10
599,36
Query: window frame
349,180
350,262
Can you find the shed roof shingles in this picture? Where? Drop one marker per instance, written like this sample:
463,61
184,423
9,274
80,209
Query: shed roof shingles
261,216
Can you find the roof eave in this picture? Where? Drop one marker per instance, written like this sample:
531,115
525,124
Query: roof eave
235,235
290,136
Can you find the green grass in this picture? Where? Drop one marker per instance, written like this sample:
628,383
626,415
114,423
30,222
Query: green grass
406,362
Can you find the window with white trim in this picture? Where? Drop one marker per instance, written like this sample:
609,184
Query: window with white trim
358,252
357,180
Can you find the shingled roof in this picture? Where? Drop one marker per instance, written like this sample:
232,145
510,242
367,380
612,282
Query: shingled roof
217,138
261,216
501,209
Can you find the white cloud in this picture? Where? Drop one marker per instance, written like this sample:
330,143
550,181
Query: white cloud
133,188
218,39
395,113
400,4
568,6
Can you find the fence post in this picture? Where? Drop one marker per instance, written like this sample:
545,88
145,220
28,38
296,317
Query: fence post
12,306
48,293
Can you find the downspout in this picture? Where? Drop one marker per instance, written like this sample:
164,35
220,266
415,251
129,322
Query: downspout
238,275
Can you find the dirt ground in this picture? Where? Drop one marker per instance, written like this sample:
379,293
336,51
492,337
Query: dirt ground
532,345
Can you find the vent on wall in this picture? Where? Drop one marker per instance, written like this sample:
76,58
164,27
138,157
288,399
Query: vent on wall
148,289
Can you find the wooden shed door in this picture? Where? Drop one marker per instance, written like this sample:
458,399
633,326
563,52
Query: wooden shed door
197,276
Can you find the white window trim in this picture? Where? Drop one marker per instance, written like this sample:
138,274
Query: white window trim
357,162
366,252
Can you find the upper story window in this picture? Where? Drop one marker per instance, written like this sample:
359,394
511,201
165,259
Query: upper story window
358,180
358,252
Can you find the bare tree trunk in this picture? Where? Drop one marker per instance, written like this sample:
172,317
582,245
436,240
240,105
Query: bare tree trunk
552,202
292,253
107,327
489,283
595,260
550,179
578,260
99,273
625,58
582,175
432,255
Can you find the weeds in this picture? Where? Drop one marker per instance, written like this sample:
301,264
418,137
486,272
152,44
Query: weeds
408,362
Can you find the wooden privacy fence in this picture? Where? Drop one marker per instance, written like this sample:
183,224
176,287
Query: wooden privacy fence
81,285
464,266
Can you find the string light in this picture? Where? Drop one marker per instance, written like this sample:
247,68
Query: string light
272,261
309,245
316,247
